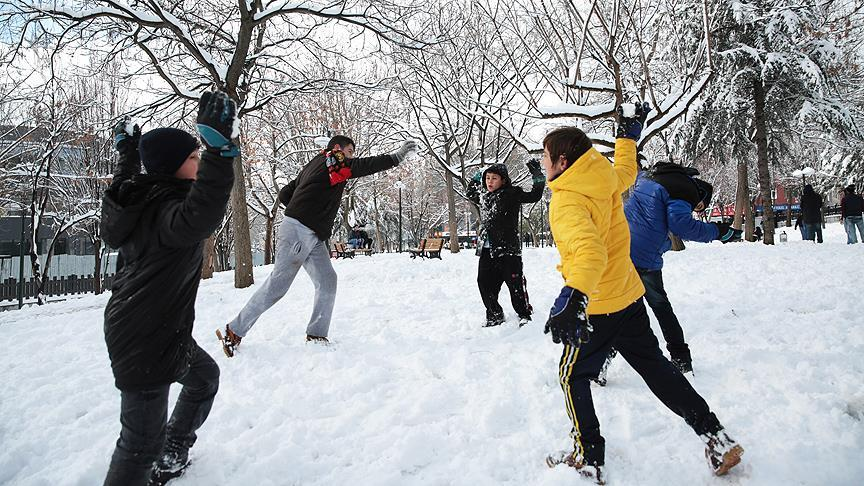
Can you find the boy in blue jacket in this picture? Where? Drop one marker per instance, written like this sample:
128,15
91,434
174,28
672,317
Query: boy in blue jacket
662,202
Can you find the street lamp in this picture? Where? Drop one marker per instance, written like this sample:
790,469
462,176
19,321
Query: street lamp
803,173
399,185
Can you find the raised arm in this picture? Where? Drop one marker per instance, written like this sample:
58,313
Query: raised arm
202,210
472,191
538,183
126,138
370,165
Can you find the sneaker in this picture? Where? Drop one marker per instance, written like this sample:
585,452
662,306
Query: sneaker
170,465
317,339
722,452
230,341
574,460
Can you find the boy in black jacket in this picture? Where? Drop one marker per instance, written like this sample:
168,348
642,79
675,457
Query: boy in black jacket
159,221
311,203
499,249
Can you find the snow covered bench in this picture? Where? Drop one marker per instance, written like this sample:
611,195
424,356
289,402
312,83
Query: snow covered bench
341,250
428,248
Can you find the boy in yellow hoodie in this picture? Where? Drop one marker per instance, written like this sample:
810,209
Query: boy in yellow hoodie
601,303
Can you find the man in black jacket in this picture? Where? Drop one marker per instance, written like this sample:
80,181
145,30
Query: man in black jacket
811,213
499,249
159,221
311,202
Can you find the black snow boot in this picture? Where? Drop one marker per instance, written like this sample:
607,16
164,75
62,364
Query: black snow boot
171,464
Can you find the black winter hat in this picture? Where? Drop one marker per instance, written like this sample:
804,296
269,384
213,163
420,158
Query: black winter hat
499,169
850,189
705,189
164,150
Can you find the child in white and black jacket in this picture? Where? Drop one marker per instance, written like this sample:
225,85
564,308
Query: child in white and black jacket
499,248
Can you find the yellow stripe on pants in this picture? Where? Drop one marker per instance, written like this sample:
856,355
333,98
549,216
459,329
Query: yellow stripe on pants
565,370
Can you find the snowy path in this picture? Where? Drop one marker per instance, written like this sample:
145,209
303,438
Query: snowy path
414,392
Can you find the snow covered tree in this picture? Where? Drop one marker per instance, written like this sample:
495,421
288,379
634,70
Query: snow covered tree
776,67
254,50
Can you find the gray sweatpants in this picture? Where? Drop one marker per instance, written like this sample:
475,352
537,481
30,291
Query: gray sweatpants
297,246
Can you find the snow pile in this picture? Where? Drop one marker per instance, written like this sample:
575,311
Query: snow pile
415,392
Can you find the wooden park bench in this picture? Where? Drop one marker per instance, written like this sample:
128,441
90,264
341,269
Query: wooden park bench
341,250
364,251
428,248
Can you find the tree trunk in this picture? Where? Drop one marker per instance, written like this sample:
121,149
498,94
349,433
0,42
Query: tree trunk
742,196
451,213
208,265
97,269
240,225
761,139
268,240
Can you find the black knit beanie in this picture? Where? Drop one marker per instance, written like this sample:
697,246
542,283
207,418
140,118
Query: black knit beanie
164,150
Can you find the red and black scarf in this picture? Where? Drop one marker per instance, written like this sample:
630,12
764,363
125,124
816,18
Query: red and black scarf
337,167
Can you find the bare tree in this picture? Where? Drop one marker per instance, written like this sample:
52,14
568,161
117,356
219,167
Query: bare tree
255,51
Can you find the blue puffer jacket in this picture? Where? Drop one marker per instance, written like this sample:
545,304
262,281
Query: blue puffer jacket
652,214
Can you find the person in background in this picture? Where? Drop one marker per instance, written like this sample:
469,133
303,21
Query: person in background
811,213
851,211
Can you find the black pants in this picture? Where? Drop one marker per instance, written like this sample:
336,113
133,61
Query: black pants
144,433
657,299
492,273
629,331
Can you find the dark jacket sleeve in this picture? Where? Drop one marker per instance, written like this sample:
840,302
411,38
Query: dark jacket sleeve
538,183
201,212
287,192
370,165
681,223
128,166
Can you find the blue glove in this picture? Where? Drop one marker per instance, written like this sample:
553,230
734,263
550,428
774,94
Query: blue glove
216,114
727,233
632,127
568,319
123,142
478,176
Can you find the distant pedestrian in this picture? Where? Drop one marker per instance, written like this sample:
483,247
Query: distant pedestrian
851,209
811,213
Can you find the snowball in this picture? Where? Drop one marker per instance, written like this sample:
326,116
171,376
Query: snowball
628,110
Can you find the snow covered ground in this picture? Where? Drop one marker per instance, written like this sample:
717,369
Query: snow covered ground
414,392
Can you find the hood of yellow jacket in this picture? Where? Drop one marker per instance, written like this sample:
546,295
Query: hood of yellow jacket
590,175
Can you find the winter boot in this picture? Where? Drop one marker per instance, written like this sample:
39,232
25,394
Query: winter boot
601,377
574,460
229,341
172,464
722,452
317,339
494,320
523,320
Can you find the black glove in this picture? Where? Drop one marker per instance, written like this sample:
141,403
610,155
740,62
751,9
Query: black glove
123,141
631,127
727,233
533,166
216,115
568,319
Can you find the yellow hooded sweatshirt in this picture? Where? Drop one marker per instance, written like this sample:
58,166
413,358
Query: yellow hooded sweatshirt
586,215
